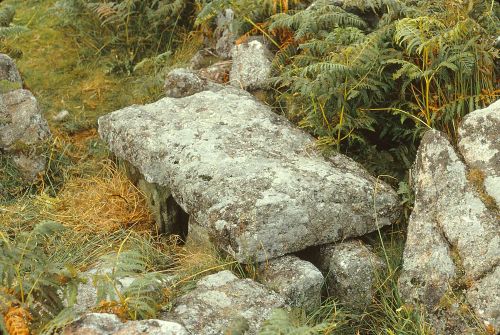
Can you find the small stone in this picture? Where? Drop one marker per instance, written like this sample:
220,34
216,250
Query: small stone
181,83
251,67
30,165
218,72
8,71
351,272
299,281
61,116
24,124
221,301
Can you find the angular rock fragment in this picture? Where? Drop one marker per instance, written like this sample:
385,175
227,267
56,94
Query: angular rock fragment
452,236
110,324
299,281
251,66
23,131
181,83
479,144
247,175
224,33
86,298
350,269
222,301
10,79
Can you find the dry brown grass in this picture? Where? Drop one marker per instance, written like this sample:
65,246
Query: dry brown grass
102,203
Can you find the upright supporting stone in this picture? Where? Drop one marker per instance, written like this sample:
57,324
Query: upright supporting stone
169,216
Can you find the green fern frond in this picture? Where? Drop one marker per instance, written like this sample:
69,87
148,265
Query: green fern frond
6,15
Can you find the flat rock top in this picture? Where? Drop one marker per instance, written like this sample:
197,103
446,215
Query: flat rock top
247,174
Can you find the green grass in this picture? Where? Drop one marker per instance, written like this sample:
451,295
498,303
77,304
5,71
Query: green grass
65,71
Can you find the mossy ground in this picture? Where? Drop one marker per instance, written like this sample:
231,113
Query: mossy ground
85,189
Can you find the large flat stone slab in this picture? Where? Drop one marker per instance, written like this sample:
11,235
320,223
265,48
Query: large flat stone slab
247,175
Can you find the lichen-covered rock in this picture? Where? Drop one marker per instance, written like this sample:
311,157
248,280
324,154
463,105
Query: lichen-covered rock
21,122
299,281
484,297
479,144
221,301
251,66
110,324
10,79
350,269
248,176
23,131
218,72
224,33
452,236
181,83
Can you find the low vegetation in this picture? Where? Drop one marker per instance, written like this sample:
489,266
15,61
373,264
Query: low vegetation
364,80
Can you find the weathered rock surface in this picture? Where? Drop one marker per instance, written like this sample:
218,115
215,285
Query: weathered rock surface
251,66
484,296
452,236
180,83
218,72
222,300
479,144
350,269
224,33
9,73
247,175
299,281
110,324
23,130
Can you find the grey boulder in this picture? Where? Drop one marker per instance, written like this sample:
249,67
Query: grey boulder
10,78
223,303
452,238
255,182
299,281
251,67
351,270
110,324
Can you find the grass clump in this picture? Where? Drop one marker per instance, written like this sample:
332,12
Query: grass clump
105,202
